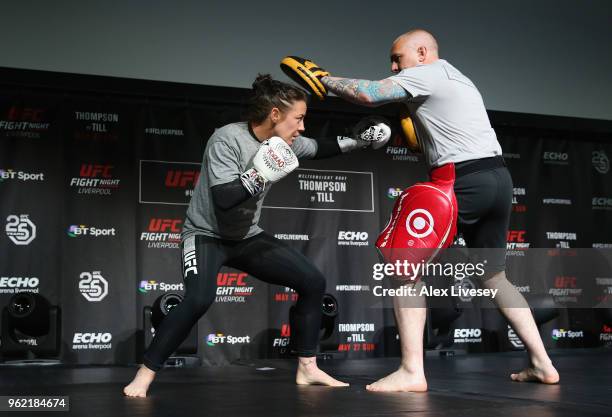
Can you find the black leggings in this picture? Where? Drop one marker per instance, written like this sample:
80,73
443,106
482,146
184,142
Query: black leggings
263,256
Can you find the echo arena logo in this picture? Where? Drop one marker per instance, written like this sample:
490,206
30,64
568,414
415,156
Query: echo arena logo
20,229
468,335
555,158
95,179
350,238
93,286
24,122
163,233
14,285
165,182
600,162
92,341
232,287
601,203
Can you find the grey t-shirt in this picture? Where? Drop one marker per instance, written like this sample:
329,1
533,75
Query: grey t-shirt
228,154
448,113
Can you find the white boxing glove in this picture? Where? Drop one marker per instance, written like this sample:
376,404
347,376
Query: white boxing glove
372,131
274,160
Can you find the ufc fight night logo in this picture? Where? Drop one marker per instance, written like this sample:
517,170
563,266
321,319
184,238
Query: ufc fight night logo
20,229
93,286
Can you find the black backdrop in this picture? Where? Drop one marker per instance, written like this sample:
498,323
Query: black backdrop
96,174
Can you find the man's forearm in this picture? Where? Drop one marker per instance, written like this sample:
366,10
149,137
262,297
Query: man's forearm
365,92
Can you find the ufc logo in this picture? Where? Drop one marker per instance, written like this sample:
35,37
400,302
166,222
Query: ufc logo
229,279
565,282
285,330
25,114
190,263
181,178
165,225
516,236
95,171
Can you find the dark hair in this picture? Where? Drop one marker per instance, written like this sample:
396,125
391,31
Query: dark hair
269,93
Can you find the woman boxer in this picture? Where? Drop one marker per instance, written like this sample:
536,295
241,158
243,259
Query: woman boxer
240,162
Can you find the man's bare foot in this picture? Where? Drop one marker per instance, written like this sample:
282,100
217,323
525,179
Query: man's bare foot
546,374
140,384
308,373
401,380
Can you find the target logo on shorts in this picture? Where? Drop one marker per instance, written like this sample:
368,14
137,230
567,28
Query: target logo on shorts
419,223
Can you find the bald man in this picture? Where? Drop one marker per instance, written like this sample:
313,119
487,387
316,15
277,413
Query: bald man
453,127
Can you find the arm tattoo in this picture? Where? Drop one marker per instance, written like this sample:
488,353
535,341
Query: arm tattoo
365,92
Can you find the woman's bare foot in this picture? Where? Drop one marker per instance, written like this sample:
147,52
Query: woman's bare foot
140,384
545,374
401,380
308,373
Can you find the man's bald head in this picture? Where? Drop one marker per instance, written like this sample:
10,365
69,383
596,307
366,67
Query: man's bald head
419,37
413,48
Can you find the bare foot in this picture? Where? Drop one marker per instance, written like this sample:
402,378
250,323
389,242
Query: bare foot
546,374
140,384
308,373
401,380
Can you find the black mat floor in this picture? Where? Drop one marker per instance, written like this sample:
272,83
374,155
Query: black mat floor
470,386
